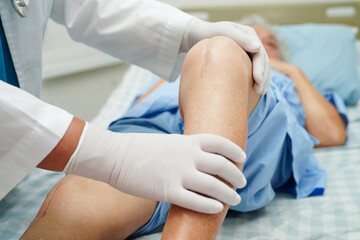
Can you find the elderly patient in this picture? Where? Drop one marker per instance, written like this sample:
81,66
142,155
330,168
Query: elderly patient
215,95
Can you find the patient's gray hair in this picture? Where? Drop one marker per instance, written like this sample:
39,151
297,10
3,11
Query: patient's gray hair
258,20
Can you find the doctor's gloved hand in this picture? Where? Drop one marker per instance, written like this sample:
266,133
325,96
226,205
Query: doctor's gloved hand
245,36
176,168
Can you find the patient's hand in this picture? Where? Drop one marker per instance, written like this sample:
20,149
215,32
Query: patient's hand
284,67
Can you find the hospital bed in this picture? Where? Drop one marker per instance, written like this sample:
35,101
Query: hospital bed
335,215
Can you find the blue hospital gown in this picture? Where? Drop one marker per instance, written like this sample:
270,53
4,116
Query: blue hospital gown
279,149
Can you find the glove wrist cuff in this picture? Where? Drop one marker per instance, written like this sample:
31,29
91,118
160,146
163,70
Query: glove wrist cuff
68,166
186,41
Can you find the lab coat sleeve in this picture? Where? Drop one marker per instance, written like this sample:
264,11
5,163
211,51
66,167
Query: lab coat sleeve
143,32
29,130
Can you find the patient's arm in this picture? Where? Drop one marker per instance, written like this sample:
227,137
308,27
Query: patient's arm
322,120
216,96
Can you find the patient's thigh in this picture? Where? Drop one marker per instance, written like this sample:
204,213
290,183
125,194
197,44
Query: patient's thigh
81,208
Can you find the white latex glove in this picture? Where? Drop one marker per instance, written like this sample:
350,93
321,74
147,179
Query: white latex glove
245,36
174,168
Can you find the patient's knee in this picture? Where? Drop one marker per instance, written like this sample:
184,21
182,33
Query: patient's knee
219,55
61,197
68,212
221,48
71,201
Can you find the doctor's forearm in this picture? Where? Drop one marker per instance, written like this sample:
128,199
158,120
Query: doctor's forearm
57,159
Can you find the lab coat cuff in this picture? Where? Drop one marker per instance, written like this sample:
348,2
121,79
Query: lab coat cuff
169,49
23,158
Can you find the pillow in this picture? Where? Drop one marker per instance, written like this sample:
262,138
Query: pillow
327,55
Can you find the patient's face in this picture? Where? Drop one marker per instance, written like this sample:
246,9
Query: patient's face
269,41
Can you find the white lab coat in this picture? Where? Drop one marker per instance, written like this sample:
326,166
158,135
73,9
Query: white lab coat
142,32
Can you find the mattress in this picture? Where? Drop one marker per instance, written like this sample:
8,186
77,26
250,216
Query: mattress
336,214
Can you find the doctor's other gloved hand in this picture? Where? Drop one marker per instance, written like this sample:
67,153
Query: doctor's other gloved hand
176,168
244,36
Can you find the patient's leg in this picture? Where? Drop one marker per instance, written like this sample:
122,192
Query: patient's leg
81,208
216,96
